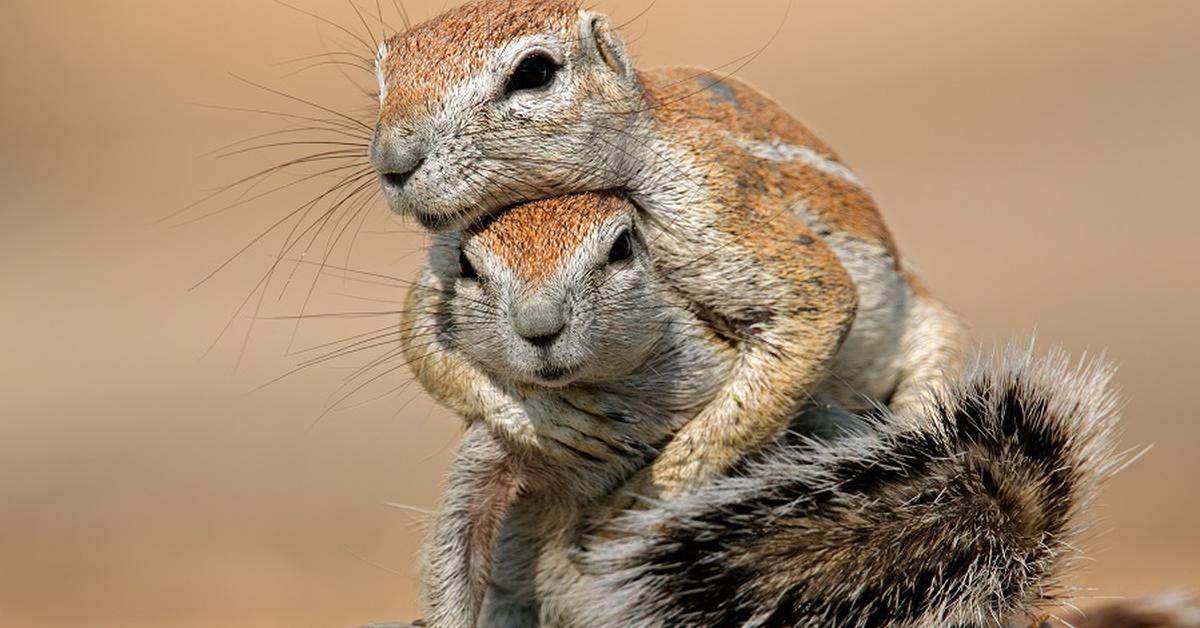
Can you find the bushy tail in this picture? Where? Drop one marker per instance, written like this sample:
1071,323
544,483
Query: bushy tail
963,517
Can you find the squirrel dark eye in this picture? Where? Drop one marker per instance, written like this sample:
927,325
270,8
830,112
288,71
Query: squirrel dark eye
465,269
622,248
534,71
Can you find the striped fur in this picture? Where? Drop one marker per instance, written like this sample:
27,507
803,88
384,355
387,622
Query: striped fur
963,518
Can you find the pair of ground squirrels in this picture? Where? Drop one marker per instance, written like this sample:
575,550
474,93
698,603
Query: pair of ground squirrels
658,283
959,512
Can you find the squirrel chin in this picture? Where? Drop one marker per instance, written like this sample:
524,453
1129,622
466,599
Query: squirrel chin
554,376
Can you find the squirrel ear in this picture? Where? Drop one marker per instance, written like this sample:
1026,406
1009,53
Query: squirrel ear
598,33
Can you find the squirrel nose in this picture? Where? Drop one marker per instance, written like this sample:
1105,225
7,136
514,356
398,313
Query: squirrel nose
539,320
396,159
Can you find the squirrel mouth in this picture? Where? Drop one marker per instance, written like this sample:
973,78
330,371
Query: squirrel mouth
553,375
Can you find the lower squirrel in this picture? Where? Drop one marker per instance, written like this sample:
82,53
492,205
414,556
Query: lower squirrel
584,363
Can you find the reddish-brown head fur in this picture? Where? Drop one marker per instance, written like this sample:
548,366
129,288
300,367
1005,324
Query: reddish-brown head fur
453,46
534,239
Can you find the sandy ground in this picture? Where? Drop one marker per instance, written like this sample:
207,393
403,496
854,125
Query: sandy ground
1037,162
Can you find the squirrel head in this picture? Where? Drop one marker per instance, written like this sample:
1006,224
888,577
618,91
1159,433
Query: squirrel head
556,291
498,102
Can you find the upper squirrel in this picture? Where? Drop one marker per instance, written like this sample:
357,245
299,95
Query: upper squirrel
760,228
960,513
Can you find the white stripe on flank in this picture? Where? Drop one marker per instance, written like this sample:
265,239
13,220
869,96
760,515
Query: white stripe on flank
778,151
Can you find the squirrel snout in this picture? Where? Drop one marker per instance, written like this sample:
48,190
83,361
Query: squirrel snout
395,180
539,320
396,160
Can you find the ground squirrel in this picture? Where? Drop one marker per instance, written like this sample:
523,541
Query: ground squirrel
960,515
581,363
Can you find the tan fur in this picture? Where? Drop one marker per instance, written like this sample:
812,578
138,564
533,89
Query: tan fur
752,202
704,122
444,379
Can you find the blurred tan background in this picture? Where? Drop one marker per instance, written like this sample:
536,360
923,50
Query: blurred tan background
1037,161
